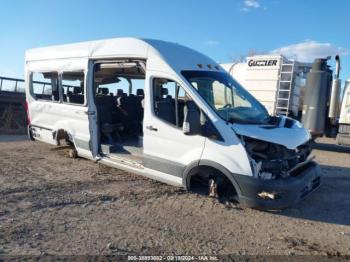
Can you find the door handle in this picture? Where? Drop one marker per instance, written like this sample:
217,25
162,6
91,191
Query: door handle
152,128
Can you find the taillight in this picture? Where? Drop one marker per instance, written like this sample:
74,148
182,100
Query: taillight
27,111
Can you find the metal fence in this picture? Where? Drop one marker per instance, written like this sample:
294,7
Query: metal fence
16,85
12,109
11,84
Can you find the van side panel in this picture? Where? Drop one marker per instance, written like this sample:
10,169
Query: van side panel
50,117
231,153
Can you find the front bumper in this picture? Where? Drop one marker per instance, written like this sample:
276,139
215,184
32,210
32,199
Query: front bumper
288,191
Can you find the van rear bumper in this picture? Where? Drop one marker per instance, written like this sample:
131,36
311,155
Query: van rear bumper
284,191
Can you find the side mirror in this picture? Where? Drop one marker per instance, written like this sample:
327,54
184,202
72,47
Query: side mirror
192,120
197,123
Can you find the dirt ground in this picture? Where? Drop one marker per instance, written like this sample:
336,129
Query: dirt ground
51,204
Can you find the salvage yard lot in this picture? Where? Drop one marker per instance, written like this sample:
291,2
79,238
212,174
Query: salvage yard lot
52,204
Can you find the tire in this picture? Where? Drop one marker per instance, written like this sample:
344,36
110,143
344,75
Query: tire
30,133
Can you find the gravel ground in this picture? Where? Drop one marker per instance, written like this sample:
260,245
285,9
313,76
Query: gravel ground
51,204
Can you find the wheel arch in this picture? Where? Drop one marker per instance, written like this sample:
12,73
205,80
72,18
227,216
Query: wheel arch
197,166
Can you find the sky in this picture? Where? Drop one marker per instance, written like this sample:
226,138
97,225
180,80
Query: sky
225,30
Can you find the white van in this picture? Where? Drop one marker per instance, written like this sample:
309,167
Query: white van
169,113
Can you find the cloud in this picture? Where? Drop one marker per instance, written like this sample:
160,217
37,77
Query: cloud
308,50
250,4
212,42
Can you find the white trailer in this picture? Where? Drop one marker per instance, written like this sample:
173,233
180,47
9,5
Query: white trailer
278,83
343,136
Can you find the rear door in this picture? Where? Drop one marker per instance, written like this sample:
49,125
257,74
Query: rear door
166,148
78,112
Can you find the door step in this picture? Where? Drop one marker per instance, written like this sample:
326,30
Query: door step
108,149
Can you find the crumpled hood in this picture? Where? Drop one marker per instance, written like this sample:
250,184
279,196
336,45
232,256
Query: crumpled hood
288,132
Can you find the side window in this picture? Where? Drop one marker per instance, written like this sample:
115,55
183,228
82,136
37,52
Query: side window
169,101
44,86
73,87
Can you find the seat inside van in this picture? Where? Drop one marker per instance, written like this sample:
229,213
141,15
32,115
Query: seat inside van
76,96
120,107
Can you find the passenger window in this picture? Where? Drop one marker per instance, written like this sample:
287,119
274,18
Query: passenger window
169,101
44,86
73,87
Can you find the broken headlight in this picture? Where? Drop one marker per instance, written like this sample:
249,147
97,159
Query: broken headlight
271,160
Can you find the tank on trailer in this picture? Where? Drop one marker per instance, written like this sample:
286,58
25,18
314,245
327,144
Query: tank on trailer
317,91
277,82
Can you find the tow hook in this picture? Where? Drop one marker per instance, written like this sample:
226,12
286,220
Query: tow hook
268,195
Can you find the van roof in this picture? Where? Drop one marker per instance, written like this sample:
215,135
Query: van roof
174,54
116,46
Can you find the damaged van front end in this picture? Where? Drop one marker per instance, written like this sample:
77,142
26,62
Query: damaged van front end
282,165
266,158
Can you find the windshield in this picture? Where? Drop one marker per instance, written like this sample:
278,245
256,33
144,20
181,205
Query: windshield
229,99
